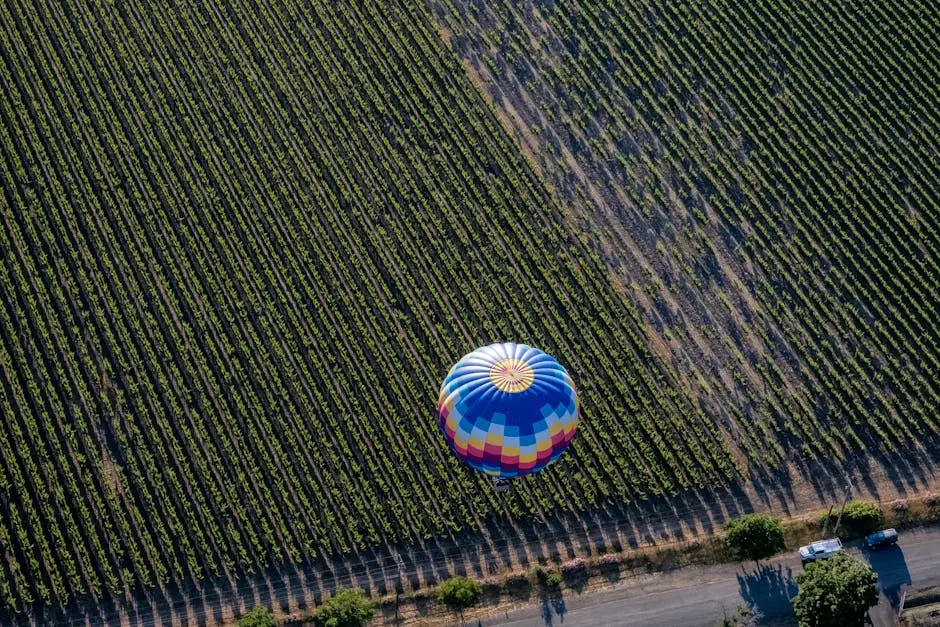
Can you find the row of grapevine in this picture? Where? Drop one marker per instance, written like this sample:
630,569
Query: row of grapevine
780,158
241,244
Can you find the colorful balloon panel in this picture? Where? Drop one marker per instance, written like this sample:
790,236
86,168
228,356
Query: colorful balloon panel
508,409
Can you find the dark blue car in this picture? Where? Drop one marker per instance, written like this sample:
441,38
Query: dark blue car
885,537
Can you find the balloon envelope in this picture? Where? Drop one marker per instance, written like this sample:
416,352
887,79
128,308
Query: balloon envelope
508,409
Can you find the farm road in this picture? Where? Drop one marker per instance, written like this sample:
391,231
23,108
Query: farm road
703,595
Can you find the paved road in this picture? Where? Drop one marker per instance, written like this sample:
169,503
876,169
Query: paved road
703,595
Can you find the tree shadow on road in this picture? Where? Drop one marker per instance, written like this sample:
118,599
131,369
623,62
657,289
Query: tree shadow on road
552,606
891,567
769,590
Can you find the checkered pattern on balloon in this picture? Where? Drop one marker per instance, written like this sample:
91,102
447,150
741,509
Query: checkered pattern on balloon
508,409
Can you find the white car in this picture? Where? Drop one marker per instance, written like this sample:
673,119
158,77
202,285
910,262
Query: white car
820,550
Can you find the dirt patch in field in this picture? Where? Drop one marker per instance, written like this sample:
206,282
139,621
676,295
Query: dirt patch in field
626,163
110,473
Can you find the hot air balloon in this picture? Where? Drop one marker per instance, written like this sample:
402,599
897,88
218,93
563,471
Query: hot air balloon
508,410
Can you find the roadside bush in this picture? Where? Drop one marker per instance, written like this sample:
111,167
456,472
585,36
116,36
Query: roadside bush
575,567
346,608
753,537
900,506
258,616
540,573
459,593
609,566
931,499
516,580
862,517
553,581
547,578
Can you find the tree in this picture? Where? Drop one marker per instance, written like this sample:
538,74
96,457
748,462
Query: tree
346,608
753,537
258,616
835,593
459,593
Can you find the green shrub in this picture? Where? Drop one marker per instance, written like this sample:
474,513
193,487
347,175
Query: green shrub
459,593
540,573
753,537
862,517
553,581
346,608
259,616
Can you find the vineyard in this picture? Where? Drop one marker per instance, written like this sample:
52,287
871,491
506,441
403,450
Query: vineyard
241,248
764,178
243,242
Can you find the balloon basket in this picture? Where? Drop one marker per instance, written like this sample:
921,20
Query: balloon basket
502,484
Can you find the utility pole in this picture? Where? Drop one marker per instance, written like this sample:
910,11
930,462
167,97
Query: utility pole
400,586
828,518
848,493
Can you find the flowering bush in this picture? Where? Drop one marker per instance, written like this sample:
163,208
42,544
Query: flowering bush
900,505
574,566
